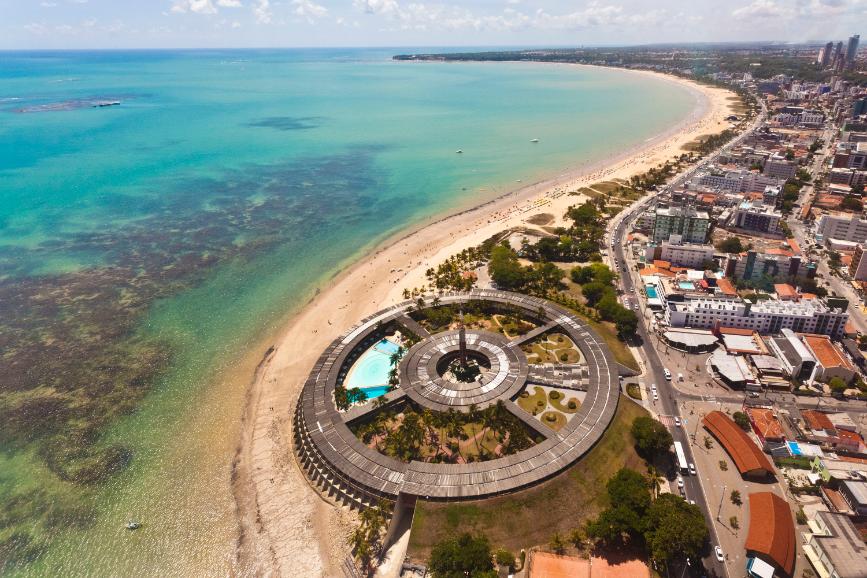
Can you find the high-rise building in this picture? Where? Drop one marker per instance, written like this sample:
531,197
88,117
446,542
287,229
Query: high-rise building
690,224
852,49
837,59
825,53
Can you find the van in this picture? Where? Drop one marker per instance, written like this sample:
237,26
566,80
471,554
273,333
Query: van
667,374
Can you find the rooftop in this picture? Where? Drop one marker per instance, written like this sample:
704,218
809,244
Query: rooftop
816,420
746,455
844,547
826,353
772,530
766,423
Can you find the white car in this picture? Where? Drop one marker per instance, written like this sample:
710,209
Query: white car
667,373
679,482
692,502
692,469
655,396
677,422
719,554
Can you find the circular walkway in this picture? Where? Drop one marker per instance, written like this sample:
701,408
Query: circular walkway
335,459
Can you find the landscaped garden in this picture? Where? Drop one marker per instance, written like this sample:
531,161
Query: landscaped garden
446,437
552,348
534,515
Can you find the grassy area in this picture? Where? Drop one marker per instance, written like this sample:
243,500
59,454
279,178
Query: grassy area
531,517
633,391
606,330
534,402
560,402
552,348
553,419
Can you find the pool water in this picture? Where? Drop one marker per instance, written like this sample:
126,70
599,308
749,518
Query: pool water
370,372
686,285
651,292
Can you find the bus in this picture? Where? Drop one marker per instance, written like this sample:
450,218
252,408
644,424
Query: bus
682,465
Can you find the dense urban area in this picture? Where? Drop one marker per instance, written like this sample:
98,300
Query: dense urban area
729,286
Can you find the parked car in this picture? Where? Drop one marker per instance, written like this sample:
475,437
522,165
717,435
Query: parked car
719,553
679,482
667,373
692,469
677,422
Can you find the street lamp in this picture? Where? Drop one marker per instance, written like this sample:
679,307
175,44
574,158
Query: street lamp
721,498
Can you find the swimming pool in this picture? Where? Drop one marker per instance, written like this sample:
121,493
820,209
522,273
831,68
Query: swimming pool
651,292
686,285
370,372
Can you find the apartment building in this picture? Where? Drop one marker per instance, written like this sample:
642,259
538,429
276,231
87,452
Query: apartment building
766,317
779,167
776,265
850,228
680,254
692,225
858,267
756,216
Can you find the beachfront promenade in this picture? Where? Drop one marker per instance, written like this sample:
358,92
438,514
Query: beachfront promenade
338,462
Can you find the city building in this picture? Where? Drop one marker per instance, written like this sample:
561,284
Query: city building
690,224
858,266
824,57
855,494
850,228
766,317
852,49
779,167
797,361
771,537
834,546
680,254
777,265
746,455
831,362
756,216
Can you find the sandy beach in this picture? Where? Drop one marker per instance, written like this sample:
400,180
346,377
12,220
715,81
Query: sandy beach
287,527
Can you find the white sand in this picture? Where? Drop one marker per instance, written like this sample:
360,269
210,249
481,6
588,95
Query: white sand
287,528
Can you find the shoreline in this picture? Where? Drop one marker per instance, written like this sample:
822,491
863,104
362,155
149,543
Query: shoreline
280,526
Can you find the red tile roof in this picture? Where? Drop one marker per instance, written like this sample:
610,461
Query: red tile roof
772,530
726,287
816,420
826,352
784,290
748,458
767,426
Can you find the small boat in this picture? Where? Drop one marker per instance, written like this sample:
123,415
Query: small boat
535,140
133,525
105,103
459,151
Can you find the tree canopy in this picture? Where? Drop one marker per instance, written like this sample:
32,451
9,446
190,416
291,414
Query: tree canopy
674,528
730,245
651,437
462,557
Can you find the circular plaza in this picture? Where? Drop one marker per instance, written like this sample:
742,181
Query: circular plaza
415,400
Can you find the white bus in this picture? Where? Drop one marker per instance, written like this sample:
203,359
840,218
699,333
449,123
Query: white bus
681,458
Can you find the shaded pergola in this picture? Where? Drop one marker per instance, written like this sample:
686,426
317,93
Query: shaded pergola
337,461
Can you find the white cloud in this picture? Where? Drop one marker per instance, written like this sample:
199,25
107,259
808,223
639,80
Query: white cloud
377,6
195,6
309,9
229,3
262,11
35,28
761,9
48,4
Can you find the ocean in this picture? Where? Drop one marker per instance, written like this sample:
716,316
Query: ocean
162,211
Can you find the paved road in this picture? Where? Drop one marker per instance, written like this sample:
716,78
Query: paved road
669,395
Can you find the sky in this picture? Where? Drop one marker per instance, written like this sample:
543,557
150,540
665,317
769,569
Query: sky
59,24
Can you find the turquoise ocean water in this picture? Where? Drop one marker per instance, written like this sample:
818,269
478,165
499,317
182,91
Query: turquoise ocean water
187,221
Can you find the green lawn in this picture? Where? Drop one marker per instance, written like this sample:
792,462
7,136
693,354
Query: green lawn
530,517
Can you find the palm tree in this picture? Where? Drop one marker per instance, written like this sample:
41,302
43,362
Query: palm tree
654,479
